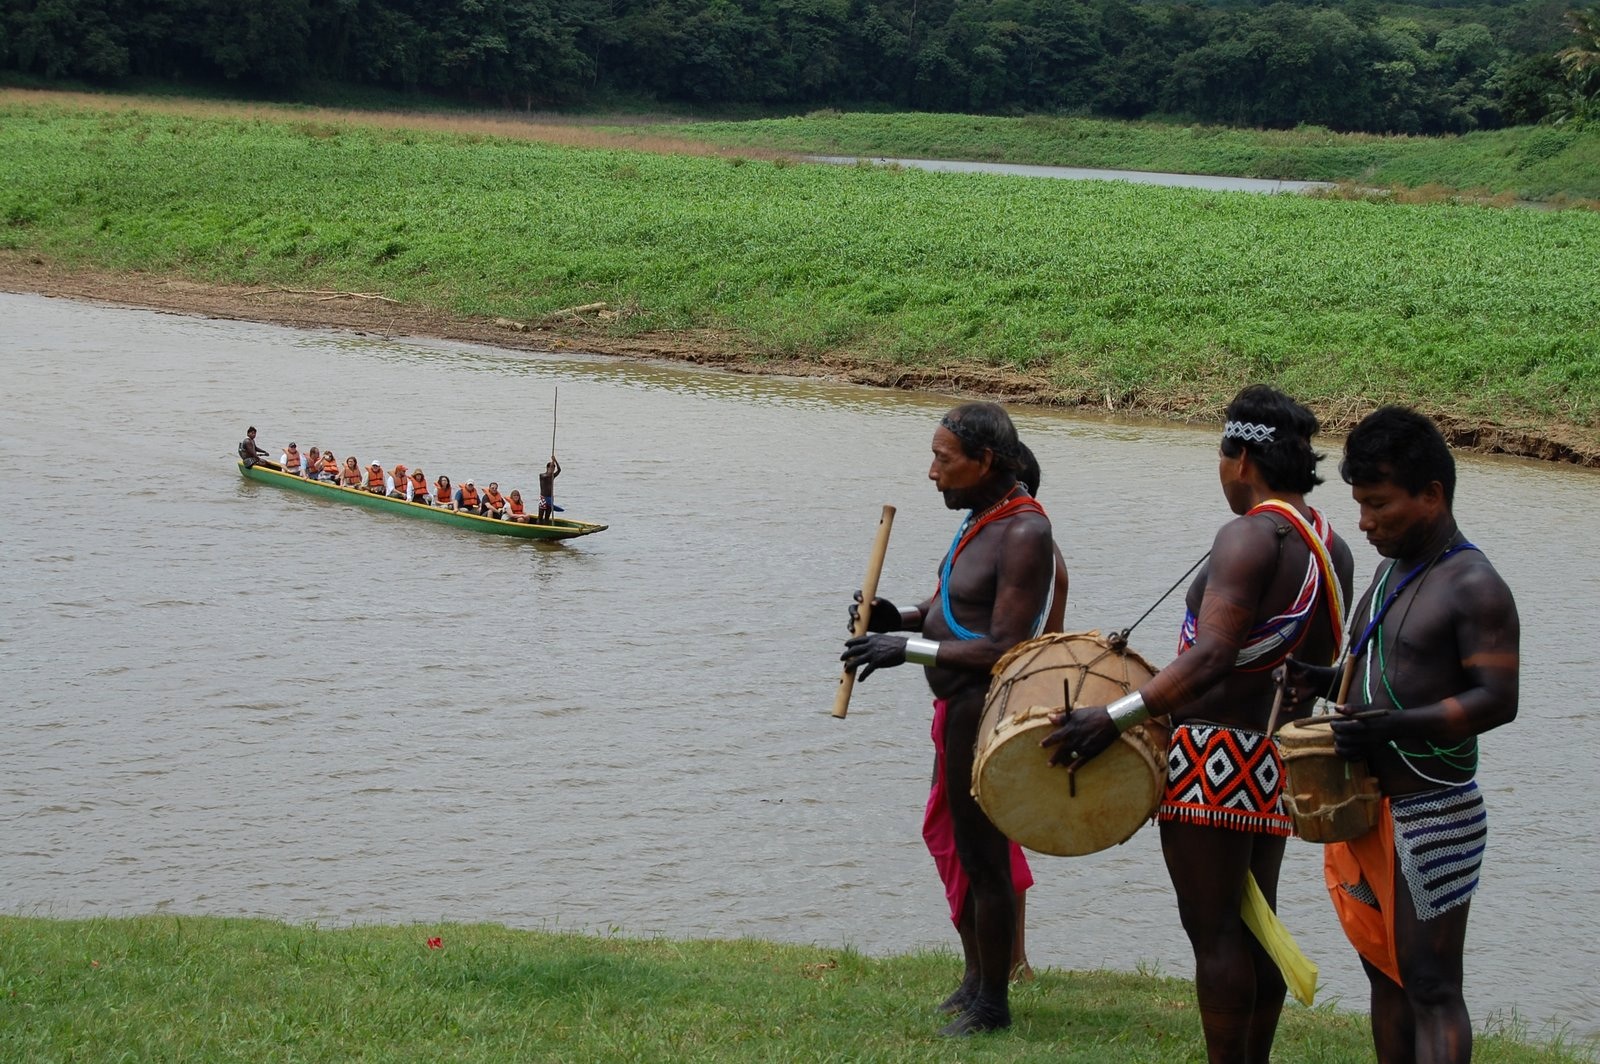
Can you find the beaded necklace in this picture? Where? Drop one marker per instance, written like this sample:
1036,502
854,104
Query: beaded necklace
1008,504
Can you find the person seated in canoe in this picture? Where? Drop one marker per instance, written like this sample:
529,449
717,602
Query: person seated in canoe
547,490
419,487
350,476
292,460
468,498
329,469
312,465
399,483
514,508
494,504
443,494
376,482
250,452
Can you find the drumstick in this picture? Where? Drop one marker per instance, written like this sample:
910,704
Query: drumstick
869,589
1344,681
1277,702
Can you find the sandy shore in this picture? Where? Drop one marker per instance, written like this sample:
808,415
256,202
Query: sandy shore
368,314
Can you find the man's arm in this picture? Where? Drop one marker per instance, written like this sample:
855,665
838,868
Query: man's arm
1243,559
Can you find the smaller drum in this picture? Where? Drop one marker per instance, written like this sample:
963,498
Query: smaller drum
1045,807
1328,798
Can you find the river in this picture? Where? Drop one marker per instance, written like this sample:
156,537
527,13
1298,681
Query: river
228,699
1210,182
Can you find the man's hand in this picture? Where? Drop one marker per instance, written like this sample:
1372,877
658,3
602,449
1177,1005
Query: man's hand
883,618
1302,683
870,652
1080,733
1363,731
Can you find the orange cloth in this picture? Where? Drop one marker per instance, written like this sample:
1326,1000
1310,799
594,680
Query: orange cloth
1371,858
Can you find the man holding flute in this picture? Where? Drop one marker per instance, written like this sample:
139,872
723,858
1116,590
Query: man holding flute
994,592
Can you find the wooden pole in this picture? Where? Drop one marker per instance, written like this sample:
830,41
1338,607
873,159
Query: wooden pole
554,400
869,590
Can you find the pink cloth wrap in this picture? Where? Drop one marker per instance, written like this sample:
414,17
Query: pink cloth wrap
939,832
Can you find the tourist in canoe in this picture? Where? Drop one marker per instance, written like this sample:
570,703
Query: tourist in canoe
419,487
250,451
329,470
547,489
399,483
514,508
443,494
292,460
377,483
312,464
468,498
494,504
351,476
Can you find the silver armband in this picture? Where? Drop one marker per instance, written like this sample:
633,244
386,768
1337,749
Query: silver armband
920,651
1128,711
910,618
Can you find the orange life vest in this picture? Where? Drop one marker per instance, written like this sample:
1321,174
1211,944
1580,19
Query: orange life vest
375,478
330,464
469,496
441,491
291,460
351,477
515,506
494,499
419,491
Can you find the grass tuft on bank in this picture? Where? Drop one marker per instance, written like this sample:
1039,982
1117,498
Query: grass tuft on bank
215,989
1162,299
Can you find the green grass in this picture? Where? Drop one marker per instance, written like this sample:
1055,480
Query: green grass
1530,163
1157,297
212,989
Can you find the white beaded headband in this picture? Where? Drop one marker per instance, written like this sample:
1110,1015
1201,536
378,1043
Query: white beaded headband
1248,431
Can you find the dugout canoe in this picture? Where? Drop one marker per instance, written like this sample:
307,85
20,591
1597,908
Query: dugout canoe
558,528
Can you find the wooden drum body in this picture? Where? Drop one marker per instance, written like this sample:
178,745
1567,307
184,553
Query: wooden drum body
1047,808
1328,798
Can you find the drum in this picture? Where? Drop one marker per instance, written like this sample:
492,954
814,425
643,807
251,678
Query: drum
1328,798
1052,809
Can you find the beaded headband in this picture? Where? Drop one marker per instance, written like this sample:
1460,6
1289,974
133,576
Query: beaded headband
1249,432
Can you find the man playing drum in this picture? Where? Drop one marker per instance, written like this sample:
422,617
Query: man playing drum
1276,582
994,592
1436,645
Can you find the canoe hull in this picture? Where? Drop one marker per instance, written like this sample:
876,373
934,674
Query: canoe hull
560,528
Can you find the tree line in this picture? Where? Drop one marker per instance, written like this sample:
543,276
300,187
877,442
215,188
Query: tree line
1355,65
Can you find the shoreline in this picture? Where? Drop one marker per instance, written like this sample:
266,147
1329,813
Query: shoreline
365,313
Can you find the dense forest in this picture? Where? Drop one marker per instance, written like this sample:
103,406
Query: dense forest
1354,65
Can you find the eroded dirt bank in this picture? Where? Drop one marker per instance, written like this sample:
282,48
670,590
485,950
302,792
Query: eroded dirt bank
359,313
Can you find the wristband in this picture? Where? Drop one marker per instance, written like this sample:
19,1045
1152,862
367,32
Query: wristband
910,618
1128,711
920,651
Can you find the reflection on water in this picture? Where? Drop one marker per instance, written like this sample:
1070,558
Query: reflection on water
230,699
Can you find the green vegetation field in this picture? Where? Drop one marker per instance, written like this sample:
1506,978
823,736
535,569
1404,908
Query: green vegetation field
160,988
1167,298
1530,163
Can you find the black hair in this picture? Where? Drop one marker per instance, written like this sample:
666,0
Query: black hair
249,430
986,427
1029,473
1286,461
1399,445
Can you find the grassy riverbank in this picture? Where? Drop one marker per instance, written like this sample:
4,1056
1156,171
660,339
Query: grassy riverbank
1154,299
1529,163
159,988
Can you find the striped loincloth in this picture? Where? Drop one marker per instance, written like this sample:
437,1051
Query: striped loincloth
1439,839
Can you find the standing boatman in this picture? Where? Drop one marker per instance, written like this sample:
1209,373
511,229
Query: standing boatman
994,592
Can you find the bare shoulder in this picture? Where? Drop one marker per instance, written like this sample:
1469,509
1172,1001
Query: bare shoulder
1476,586
1245,540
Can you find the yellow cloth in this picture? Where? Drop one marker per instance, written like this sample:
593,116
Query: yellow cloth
1298,970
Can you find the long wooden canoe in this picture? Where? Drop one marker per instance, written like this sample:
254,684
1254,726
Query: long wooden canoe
557,528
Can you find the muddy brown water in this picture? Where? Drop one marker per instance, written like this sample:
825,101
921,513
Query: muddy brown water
224,698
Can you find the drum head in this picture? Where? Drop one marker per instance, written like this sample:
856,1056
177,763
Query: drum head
1048,810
